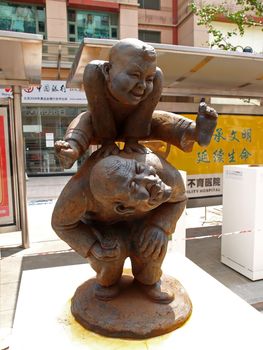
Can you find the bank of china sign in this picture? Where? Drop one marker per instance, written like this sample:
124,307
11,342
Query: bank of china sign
49,92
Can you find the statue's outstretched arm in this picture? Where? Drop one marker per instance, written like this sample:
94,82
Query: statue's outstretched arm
183,132
76,140
66,219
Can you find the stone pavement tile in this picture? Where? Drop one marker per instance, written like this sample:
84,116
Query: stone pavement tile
203,231
39,222
203,250
40,261
251,291
258,305
10,269
231,278
45,187
42,247
214,308
45,247
206,254
42,256
10,239
8,296
7,318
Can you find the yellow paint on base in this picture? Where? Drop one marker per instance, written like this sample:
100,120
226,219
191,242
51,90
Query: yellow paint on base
82,338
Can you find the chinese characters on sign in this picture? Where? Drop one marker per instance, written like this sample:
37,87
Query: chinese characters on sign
237,140
53,91
49,92
203,185
219,155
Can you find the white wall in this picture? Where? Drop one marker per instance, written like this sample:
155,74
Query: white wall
253,36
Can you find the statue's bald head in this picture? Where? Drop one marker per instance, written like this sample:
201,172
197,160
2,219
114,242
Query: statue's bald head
131,47
107,177
126,185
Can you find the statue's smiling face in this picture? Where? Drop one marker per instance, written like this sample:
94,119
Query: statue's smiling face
130,75
129,183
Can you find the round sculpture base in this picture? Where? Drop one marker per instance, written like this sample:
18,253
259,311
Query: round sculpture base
131,314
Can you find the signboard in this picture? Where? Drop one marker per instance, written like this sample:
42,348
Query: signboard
49,92
236,140
49,139
53,92
5,93
6,200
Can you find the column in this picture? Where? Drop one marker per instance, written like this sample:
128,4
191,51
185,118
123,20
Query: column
128,20
56,19
20,159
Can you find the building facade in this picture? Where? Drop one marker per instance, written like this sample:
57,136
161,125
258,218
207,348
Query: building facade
72,20
48,109
191,34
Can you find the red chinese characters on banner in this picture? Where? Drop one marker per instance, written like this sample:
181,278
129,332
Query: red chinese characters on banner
4,203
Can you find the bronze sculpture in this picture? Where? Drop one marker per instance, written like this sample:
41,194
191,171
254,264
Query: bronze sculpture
122,95
125,203
123,195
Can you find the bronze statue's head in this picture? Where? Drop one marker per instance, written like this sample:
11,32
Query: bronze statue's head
130,71
127,185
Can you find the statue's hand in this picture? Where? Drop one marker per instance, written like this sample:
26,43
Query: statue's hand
133,146
206,122
67,153
153,242
105,254
107,149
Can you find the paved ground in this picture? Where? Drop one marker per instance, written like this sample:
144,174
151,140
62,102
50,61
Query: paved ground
47,250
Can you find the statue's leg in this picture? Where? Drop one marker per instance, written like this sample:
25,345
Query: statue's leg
147,273
147,270
108,274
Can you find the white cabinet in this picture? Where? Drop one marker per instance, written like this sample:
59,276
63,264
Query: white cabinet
243,211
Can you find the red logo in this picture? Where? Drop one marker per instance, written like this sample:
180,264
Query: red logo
30,89
8,89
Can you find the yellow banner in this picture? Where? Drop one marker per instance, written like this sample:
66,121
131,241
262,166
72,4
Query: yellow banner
238,139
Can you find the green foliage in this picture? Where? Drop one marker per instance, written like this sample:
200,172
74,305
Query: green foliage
244,14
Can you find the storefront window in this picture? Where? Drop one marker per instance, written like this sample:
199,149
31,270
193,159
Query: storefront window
22,18
83,24
42,127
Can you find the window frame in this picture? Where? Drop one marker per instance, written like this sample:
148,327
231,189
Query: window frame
35,8
148,4
75,37
143,31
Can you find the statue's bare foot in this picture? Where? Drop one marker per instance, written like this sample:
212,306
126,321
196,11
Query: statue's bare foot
106,293
158,292
133,146
107,149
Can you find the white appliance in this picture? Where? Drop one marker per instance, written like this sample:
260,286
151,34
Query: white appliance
243,211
